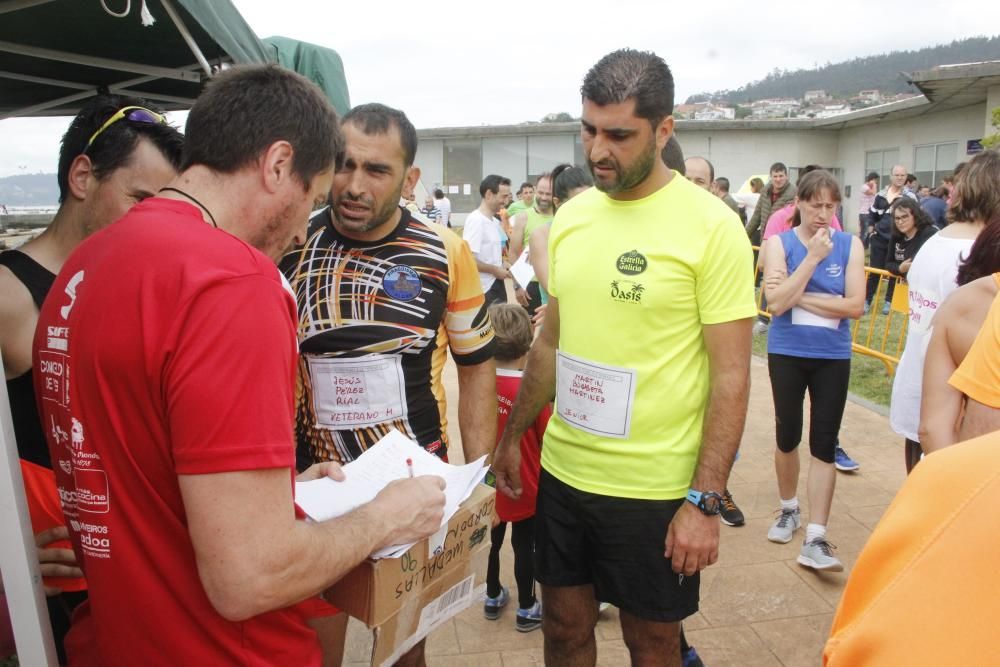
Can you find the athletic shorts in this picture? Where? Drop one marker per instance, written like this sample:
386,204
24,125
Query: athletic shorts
614,544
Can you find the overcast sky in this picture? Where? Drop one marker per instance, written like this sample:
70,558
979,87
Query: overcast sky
452,63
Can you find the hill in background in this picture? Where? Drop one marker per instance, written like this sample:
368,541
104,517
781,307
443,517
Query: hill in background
29,190
844,80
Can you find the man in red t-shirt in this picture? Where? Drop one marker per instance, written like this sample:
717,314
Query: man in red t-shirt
116,152
166,354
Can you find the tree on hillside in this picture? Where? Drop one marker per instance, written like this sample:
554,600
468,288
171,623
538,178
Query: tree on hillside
561,117
993,140
845,79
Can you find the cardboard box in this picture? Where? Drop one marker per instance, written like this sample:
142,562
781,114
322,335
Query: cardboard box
404,599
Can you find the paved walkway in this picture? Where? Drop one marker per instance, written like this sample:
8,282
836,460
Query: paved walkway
758,607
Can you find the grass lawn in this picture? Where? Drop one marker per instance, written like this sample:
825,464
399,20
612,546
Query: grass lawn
869,378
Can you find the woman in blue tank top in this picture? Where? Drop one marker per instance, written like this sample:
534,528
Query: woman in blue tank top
814,279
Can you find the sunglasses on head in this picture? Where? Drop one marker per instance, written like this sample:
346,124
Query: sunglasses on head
133,114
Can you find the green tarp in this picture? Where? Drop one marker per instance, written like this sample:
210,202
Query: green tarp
318,64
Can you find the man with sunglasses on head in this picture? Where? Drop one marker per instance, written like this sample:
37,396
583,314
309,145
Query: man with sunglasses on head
115,153
173,441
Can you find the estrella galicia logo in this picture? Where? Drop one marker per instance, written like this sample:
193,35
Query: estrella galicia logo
631,263
626,291
401,283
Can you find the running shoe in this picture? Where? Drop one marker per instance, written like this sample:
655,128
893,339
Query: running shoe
729,512
843,462
760,328
784,526
529,619
492,606
818,555
690,658
885,308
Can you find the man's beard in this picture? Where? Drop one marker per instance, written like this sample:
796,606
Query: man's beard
626,178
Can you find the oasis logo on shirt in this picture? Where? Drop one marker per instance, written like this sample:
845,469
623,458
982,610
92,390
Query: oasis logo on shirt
626,291
631,263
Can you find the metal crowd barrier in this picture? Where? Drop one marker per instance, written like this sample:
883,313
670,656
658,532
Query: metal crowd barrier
876,335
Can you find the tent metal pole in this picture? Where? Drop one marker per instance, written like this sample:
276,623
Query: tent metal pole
22,579
104,63
186,34
45,81
7,6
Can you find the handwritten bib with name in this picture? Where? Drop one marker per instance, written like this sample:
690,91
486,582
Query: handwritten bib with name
593,397
353,393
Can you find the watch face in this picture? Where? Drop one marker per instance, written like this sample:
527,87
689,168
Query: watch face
711,503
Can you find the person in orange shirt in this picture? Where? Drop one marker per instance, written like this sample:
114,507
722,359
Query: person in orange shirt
928,568
978,377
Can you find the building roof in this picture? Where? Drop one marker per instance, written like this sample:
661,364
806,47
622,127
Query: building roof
945,87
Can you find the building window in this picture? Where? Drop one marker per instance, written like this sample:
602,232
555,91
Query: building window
933,162
881,162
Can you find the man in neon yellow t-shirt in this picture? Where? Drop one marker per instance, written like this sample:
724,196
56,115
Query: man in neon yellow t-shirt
646,350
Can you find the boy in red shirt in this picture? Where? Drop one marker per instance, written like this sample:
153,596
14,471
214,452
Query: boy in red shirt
513,335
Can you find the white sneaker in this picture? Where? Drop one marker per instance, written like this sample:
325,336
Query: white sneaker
760,328
818,555
784,526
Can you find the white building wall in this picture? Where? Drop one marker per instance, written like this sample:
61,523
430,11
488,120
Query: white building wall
740,154
430,159
958,125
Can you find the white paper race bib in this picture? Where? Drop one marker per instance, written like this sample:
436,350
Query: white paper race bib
803,317
593,397
351,393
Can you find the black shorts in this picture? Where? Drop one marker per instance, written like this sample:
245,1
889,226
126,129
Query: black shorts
615,544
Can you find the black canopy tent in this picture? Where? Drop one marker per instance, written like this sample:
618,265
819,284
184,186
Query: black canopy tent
54,54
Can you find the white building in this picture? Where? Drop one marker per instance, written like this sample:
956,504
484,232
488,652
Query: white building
830,110
814,96
715,113
928,134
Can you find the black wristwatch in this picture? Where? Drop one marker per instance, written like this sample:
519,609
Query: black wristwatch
709,502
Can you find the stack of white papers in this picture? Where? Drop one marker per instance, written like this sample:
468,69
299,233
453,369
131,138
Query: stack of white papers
522,270
384,462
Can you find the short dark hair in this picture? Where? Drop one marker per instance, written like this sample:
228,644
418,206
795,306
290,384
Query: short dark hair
438,193
629,74
246,108
779,167
811,185
524,185
491,183
872,176
512,333
722,183
504,181
375,118
566,178
673,156
910,178
113,148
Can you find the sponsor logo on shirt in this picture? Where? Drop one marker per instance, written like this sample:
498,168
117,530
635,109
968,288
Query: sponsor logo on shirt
401,283
626,291
834,270
631,263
